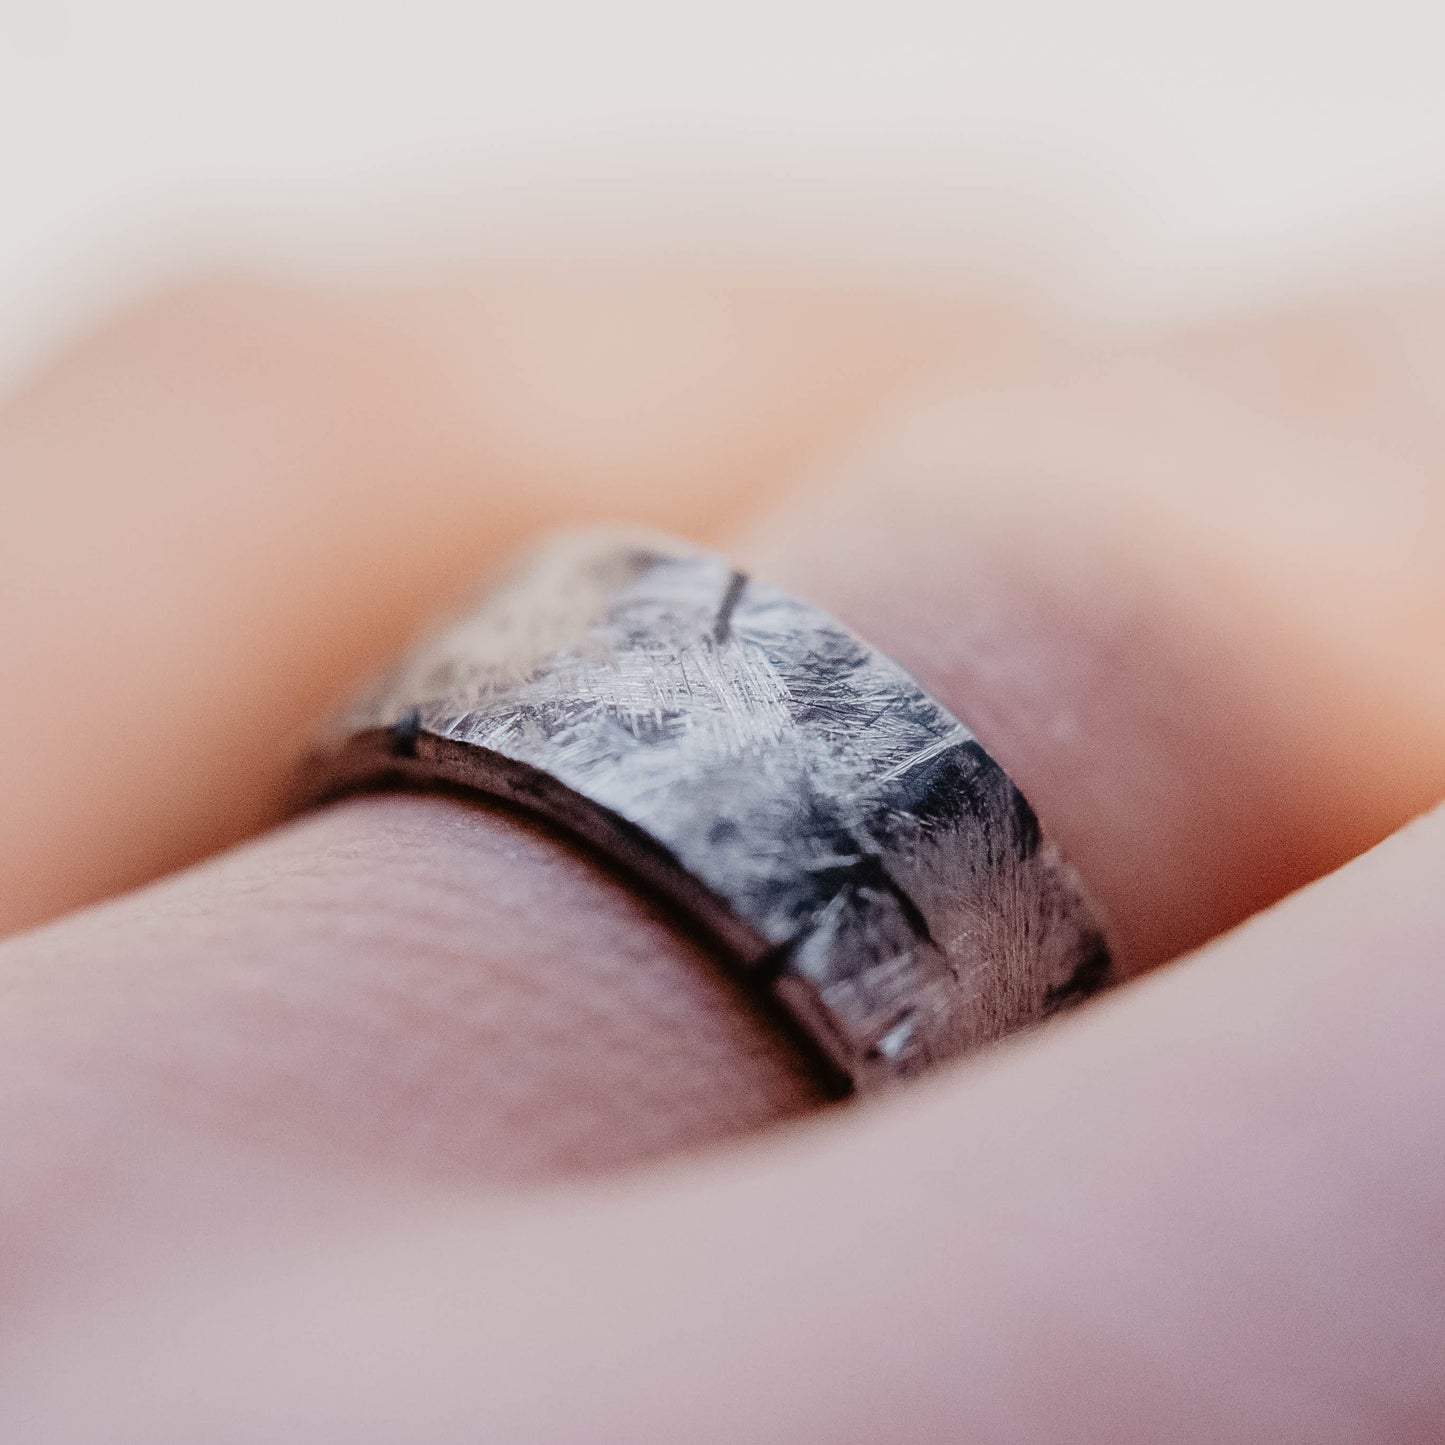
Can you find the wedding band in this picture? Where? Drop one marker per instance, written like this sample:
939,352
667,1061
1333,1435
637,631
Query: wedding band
796,793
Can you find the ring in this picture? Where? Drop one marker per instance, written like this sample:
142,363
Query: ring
796,793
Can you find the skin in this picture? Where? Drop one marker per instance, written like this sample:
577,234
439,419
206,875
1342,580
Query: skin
405,1120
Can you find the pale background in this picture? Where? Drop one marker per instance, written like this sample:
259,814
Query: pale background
1140,159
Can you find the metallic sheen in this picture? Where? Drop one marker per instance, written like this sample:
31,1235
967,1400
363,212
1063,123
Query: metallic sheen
840,832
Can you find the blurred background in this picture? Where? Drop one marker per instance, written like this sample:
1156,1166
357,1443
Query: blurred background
1134,160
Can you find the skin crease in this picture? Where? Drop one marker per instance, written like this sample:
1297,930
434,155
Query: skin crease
251,1056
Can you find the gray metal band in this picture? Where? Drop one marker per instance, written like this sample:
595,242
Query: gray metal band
839,831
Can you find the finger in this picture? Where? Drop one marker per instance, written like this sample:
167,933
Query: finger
394,990
1204,642
223,509
1209,1210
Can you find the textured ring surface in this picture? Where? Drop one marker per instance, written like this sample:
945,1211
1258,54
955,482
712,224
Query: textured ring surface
795,791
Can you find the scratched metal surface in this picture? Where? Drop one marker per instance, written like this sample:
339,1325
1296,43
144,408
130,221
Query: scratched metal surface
840,831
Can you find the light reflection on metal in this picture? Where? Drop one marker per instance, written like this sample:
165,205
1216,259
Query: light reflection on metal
835,828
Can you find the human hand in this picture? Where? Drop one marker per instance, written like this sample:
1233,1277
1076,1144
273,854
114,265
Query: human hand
265,1121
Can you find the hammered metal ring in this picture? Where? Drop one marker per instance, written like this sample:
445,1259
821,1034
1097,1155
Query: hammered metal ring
796,793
